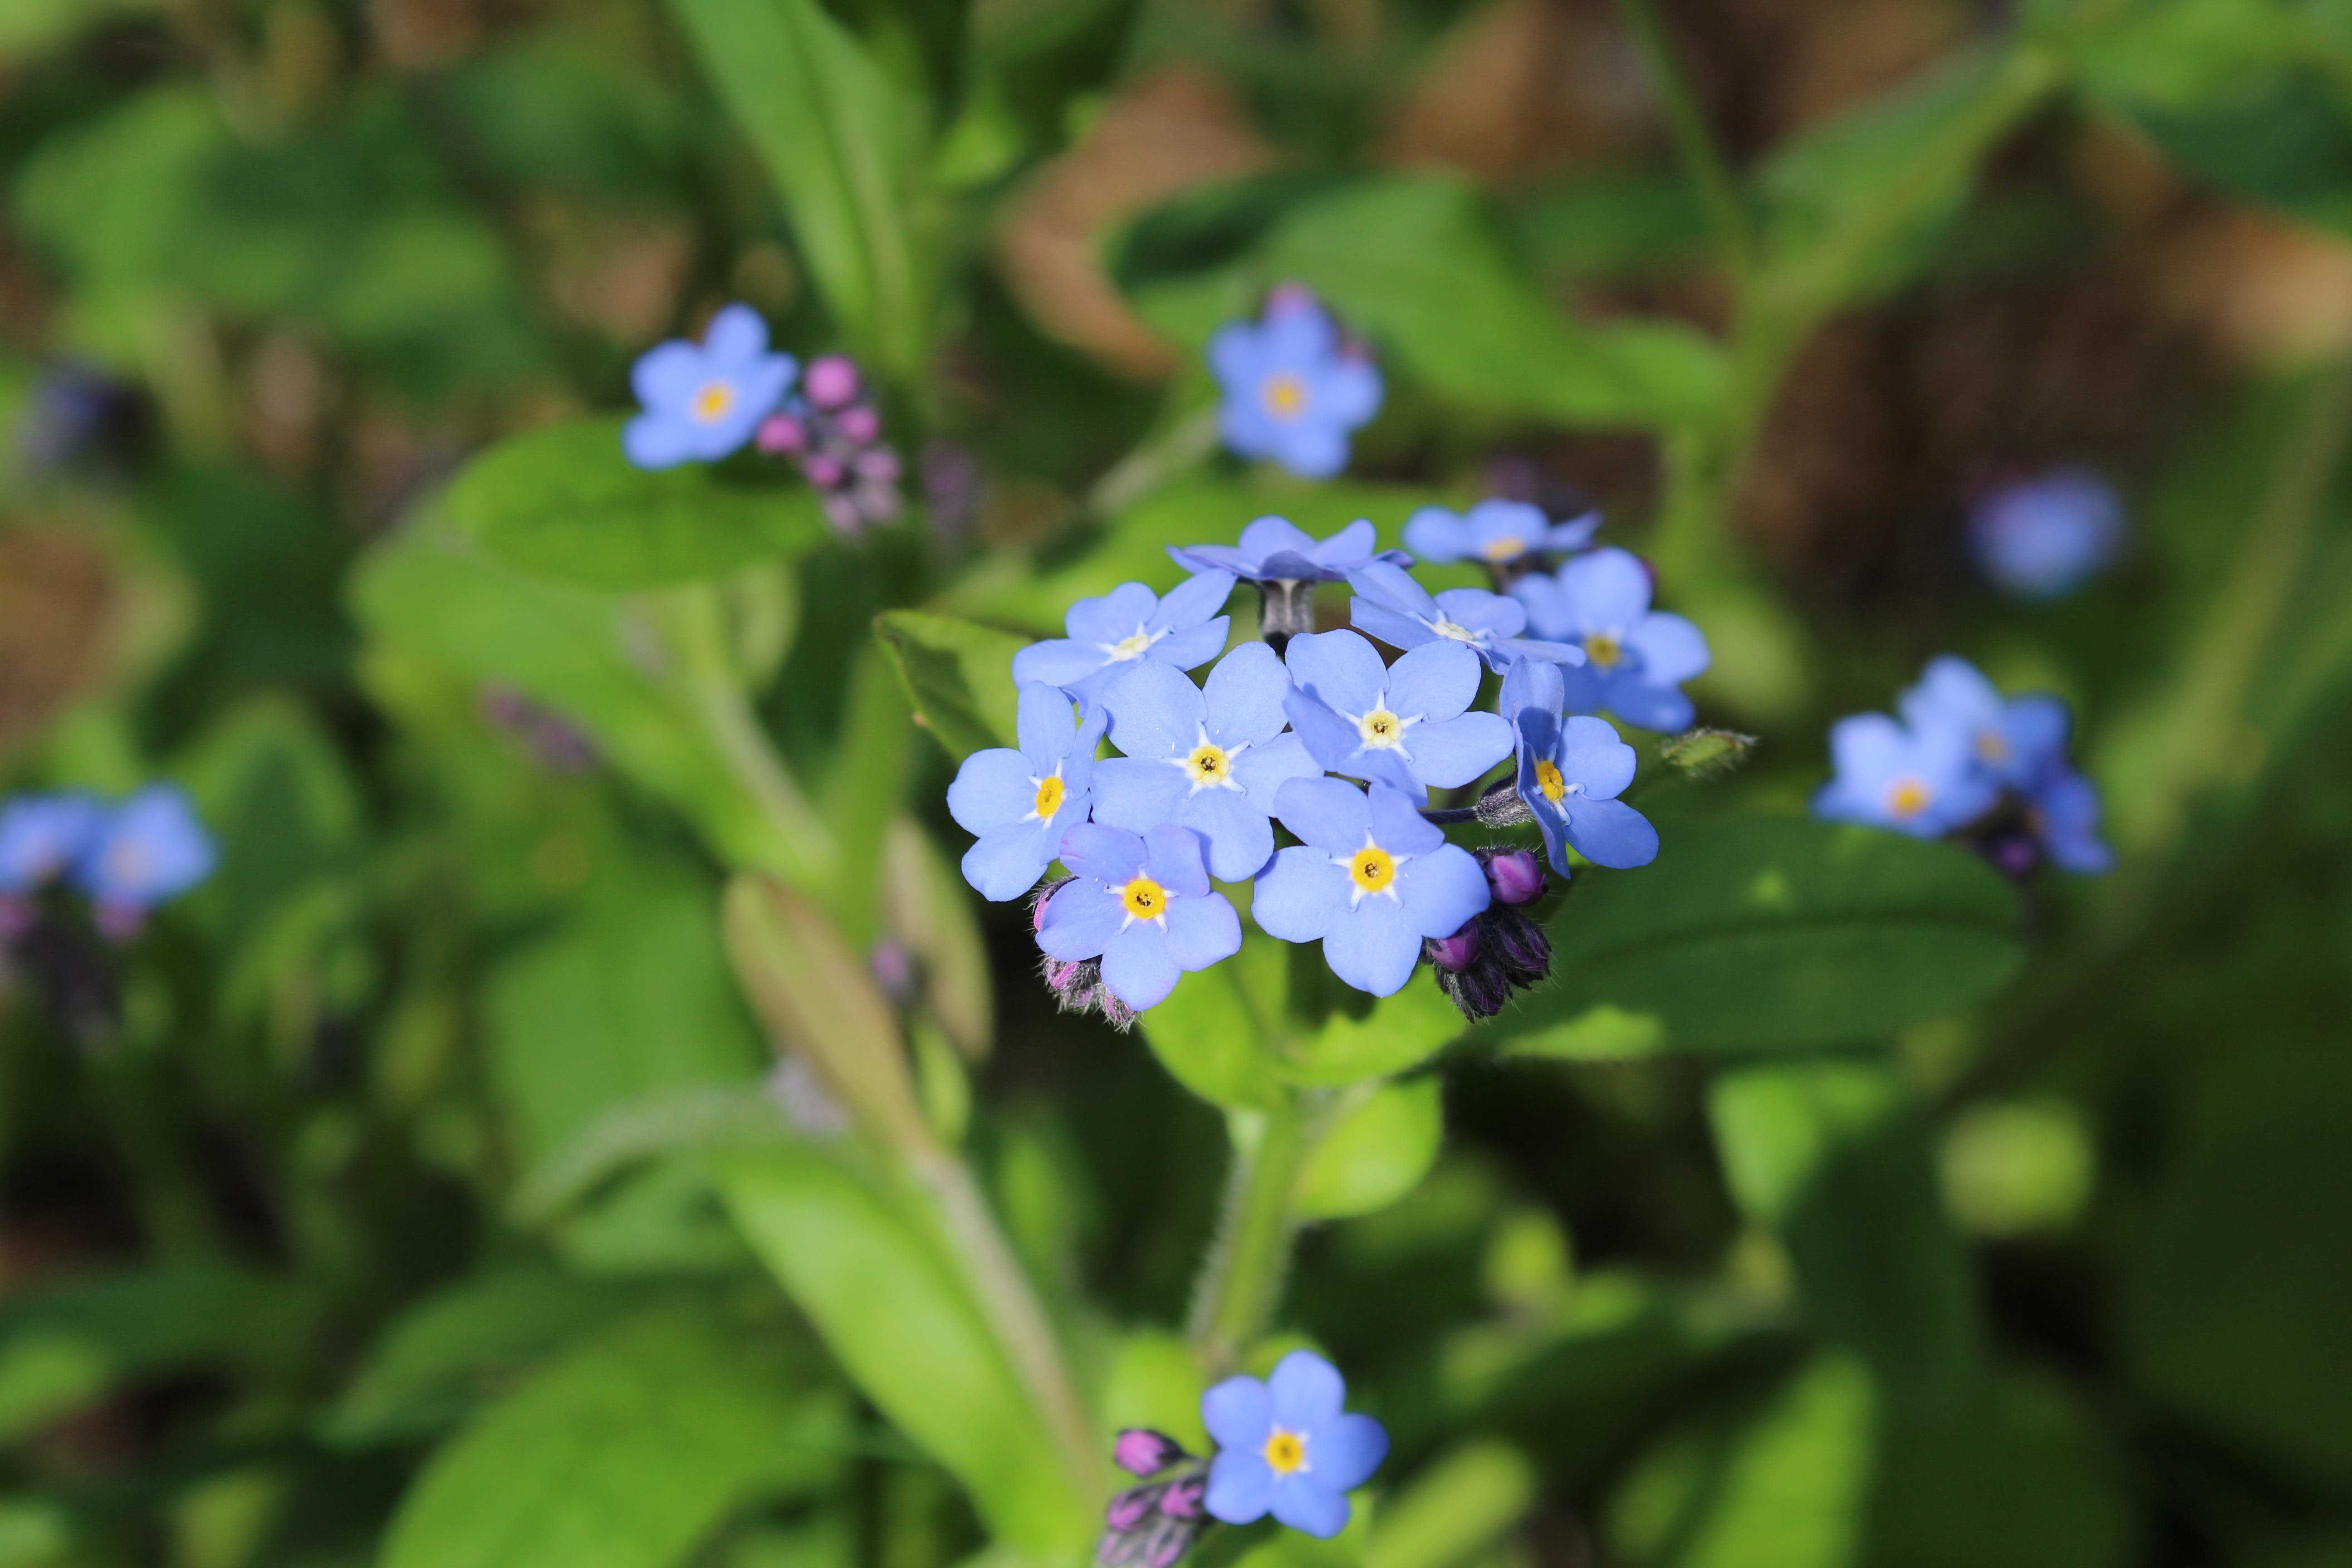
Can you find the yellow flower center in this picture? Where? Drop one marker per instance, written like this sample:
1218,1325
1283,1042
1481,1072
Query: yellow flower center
1372,868
1208,764
1285,1452
1049,797
1993,746
1285,395
1547,779
1130,647
1510,547
1380,728
1144,898
1603,651
713,401
1908,797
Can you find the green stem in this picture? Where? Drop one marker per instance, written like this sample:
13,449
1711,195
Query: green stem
1242,1277
1181,446
1693,144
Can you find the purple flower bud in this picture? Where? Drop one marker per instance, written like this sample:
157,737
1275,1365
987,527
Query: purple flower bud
1455,953
1166,1548
19,915
1516,876
823,472
881,463
1182,1498
1518,943
780,434
1130,1508
831,382
1141,1451
894,969
859,425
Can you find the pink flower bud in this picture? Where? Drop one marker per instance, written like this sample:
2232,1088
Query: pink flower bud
859,425
781,434
1515,875
824,473
880,464
1458,952
1141,1451
831,382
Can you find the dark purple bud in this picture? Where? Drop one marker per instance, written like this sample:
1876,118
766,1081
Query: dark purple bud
860,425
1182,1498
1518,943
1141,1451
1479,990
823,472
1453,952
831,382
1516,876
1130,1508
1166,1546
780,434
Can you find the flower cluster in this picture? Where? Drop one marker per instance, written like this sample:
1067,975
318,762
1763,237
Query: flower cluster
1965,762
702,401
2044,537
126,859
1206,772
1294,389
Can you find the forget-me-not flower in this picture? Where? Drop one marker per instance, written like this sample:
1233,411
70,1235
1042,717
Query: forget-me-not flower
1208,759
2042,537
2019,743
1495,532
1276,550
152,848
1370,881
704,400
1293,391
1020,802
1288,1447
1570,771
1399,611
1635,657
1922,781
43,836
2062,810
1402,724
1142,905
1130,622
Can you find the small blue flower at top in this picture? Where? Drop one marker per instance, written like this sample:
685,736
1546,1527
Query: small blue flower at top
1403,724
1184,629
1293,390
1208,759
1494,532
2044,537
1919,781
1635,657
1142,904
704,400
1571,772
152,848
1371,880
1289,1447
1276,550
1391,606
1020,802
43,836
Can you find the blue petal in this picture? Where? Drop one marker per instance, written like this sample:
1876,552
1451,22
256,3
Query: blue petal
1304,1503
1393,587
1116,616
2036,729
1479,611
993,789
1006,863
1135,793
1241,840
1592,755
1339,668
1155,711
1548,615
1606,590
1192,600
1436,680
1193,647
1305,1391
1331,815
1137,966
1262,771
1395,825
1350,392
1456,750
1240,1486
1436,536
1350,547
1673,649
1868,749
1391,628
1314,450
1443,890
1236,355
1202,931
1504,651
1172,856
1081,919
1531,683
658,439
736,337
1105,854
1046,723
1299,332
1635,700
1058,661
1374,946
1239,1414
1347,1450
1610,833
1300,895
1243,696
667,375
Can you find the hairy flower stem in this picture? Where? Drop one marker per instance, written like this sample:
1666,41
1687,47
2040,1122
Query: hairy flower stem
1242,1277
1177,449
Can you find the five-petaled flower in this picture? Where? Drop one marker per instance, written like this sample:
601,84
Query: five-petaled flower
2018,743
1288,1447
1371,880
1293,390
152,848
2042,537
704,400
1635,657
1142,905
1402,724
43,836
1020,802
1399,611
1276,550
1497,532
1208,759
1130,622
1571,772
1922,781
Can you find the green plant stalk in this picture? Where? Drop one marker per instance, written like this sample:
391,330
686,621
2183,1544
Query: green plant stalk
1693,144
1242,1277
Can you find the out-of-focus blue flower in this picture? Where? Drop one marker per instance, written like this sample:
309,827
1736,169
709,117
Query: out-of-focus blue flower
1919,781
1571,772
1399,611
43,836
2042,537
152,848
1020,802
1403,724
1142,905
2019,743
1293,390
704,400
1130,623
2062,810
1210,760
1635,657
1276,550
1496,533
1288,1446
1370,881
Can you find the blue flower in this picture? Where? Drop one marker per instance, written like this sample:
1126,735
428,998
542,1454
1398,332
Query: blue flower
1276,550
2042,537
2062,809
1288,1447
42,835
1370,882
1399,611
1401,724
1020,802
1142,905
1922,781
1635,657
1570,772
152,848
1208,760
1130,623
1293,392
704,401
1496,533
2020,744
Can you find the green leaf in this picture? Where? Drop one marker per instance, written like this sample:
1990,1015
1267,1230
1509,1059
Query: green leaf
1763,933
959,675
1382,1143
564,503
1394,1033
1464,1501
1210,1032
626,1453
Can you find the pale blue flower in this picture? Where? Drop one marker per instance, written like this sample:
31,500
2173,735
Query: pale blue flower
1142,905
2042,537
1130,623
1404,725
1391,606
1495,532
152,848
1293,391
1635,657
1020,802
1288,1447
44,835
1570,771
704,400
1276,550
